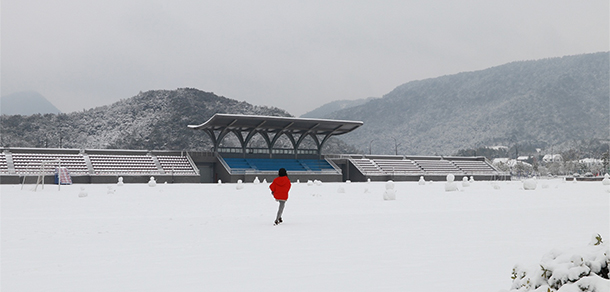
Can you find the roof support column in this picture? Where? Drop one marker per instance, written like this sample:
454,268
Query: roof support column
212,136
326,137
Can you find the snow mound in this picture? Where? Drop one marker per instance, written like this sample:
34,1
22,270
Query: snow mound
390,193
606,180
450,177
465,182
450,186
82,193
577,269
529,184
152,182
421,181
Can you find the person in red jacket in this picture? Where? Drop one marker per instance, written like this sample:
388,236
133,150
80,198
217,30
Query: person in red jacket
279,189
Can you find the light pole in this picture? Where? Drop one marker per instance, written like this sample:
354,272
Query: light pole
370,144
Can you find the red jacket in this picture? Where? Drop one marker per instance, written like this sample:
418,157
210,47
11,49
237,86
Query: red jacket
280,187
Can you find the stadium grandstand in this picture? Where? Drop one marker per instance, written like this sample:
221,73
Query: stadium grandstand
411,168
95,166
303,161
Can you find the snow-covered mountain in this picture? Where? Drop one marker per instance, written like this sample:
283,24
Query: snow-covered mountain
154,119
544,103
547,102
26,103
151,120
333,106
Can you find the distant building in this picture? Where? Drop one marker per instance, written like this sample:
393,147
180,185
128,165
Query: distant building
515,162
498,161
510,162
498,148
591,161
552,158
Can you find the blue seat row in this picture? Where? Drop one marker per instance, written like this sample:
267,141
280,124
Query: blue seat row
263,164
316,164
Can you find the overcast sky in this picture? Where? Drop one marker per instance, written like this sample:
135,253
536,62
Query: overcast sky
296,55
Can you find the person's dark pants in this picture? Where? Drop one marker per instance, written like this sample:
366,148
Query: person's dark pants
280,210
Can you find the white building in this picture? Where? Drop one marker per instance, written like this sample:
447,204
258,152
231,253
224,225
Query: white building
591,161
498,161
509,162
552,158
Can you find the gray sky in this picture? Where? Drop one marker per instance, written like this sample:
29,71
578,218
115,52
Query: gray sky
296,55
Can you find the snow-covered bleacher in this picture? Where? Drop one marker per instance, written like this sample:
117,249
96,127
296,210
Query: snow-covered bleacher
473,166
438,166
3,163
367,166
430,166
405,166
96,165
172,164
32,163
126,164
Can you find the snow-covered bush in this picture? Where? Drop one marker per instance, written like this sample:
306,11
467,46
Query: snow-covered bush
574,270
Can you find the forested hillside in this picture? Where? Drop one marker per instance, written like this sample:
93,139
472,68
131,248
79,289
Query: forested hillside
333,106
552,103
546,103
151,120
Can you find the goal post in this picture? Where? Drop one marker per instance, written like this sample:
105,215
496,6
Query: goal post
41,173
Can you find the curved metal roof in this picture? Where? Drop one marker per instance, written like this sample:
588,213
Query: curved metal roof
271,128
272,124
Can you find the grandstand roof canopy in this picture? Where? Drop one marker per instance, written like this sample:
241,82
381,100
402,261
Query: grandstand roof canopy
294,128
275,124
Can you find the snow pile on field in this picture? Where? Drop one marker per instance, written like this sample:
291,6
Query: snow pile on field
218,237
576,269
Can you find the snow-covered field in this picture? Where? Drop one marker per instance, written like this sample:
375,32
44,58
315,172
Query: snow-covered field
209,237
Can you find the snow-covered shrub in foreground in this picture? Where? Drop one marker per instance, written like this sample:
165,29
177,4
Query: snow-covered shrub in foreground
574,270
